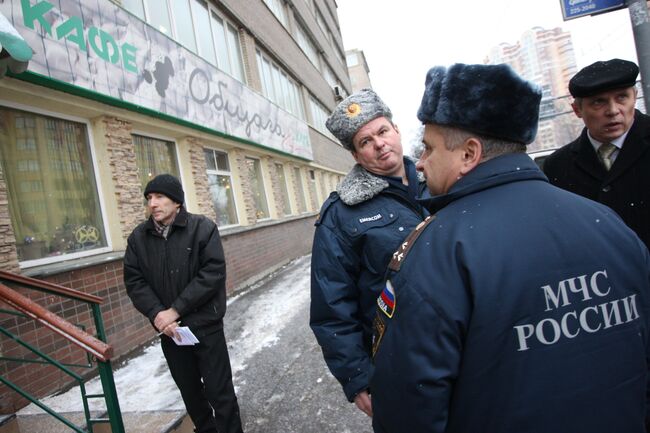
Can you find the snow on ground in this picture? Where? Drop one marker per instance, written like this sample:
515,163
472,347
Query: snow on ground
144,382
269,314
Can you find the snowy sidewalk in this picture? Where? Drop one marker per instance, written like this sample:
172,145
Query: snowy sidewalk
281,380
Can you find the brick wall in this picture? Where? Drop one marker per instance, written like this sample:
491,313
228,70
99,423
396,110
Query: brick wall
249,254
277,185
245,185
126,329
200,178
8,252
124,172
247,42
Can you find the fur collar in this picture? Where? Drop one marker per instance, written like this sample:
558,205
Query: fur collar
360,185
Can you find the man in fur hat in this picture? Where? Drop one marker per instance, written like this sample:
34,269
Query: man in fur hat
360,226
517,306
610,161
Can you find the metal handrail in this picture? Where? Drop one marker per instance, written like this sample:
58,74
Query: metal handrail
97,347
87,342
46,286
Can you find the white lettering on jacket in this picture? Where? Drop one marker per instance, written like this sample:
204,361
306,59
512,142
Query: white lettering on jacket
369,219
591,319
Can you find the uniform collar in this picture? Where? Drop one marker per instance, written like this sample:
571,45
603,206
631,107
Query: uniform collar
501,170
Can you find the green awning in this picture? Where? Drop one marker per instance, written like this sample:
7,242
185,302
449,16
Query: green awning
15,53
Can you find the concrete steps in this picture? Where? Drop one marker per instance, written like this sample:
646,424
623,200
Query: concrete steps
134,422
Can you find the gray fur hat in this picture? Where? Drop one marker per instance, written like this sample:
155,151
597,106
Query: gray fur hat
353,113
490,100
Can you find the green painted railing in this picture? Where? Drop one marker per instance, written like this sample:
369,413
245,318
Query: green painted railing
94,347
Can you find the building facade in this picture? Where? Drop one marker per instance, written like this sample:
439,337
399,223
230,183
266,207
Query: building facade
358,69
229,96
545,57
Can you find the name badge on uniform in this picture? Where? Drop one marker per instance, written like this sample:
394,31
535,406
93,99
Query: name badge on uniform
386,301
370,218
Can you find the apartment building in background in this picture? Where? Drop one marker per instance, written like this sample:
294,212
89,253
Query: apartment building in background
547,58
358,69
230,96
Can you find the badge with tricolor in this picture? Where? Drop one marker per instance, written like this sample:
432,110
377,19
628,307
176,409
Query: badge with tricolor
386,301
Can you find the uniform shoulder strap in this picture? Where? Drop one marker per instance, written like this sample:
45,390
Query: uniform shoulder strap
405,247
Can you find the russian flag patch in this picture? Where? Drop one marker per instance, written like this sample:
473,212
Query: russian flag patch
386,301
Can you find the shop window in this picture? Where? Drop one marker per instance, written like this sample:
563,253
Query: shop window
284,191
300,190
312,189
221,191
54,205
257,187
154,157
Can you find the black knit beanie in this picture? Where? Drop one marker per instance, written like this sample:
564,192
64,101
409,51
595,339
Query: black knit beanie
168,185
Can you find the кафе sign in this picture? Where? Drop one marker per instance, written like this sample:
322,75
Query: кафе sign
100,47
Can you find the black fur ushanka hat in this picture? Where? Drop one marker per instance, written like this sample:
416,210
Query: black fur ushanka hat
490,100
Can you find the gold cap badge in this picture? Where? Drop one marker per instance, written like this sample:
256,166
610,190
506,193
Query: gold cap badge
353,110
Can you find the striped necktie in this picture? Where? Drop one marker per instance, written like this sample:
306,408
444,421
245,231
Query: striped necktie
605,152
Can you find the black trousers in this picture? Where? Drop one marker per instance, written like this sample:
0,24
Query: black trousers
203,376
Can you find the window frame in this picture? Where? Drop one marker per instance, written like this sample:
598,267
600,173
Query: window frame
300,193
199,50
98,184
306,43
264,185
291,98
284,188
218,172
272,5
318,112
177,153
313,184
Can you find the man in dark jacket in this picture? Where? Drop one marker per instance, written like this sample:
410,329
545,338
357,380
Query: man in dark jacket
610,161
360,226
517,306
175,273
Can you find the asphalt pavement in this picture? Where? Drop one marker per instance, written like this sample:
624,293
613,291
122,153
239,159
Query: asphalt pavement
283,384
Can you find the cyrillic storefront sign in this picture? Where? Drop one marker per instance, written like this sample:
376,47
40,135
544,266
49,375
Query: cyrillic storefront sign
98,46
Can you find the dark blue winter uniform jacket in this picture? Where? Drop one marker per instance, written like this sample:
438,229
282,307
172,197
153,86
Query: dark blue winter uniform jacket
358,230
519,307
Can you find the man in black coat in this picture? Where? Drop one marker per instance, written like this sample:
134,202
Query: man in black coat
610,161
175,273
